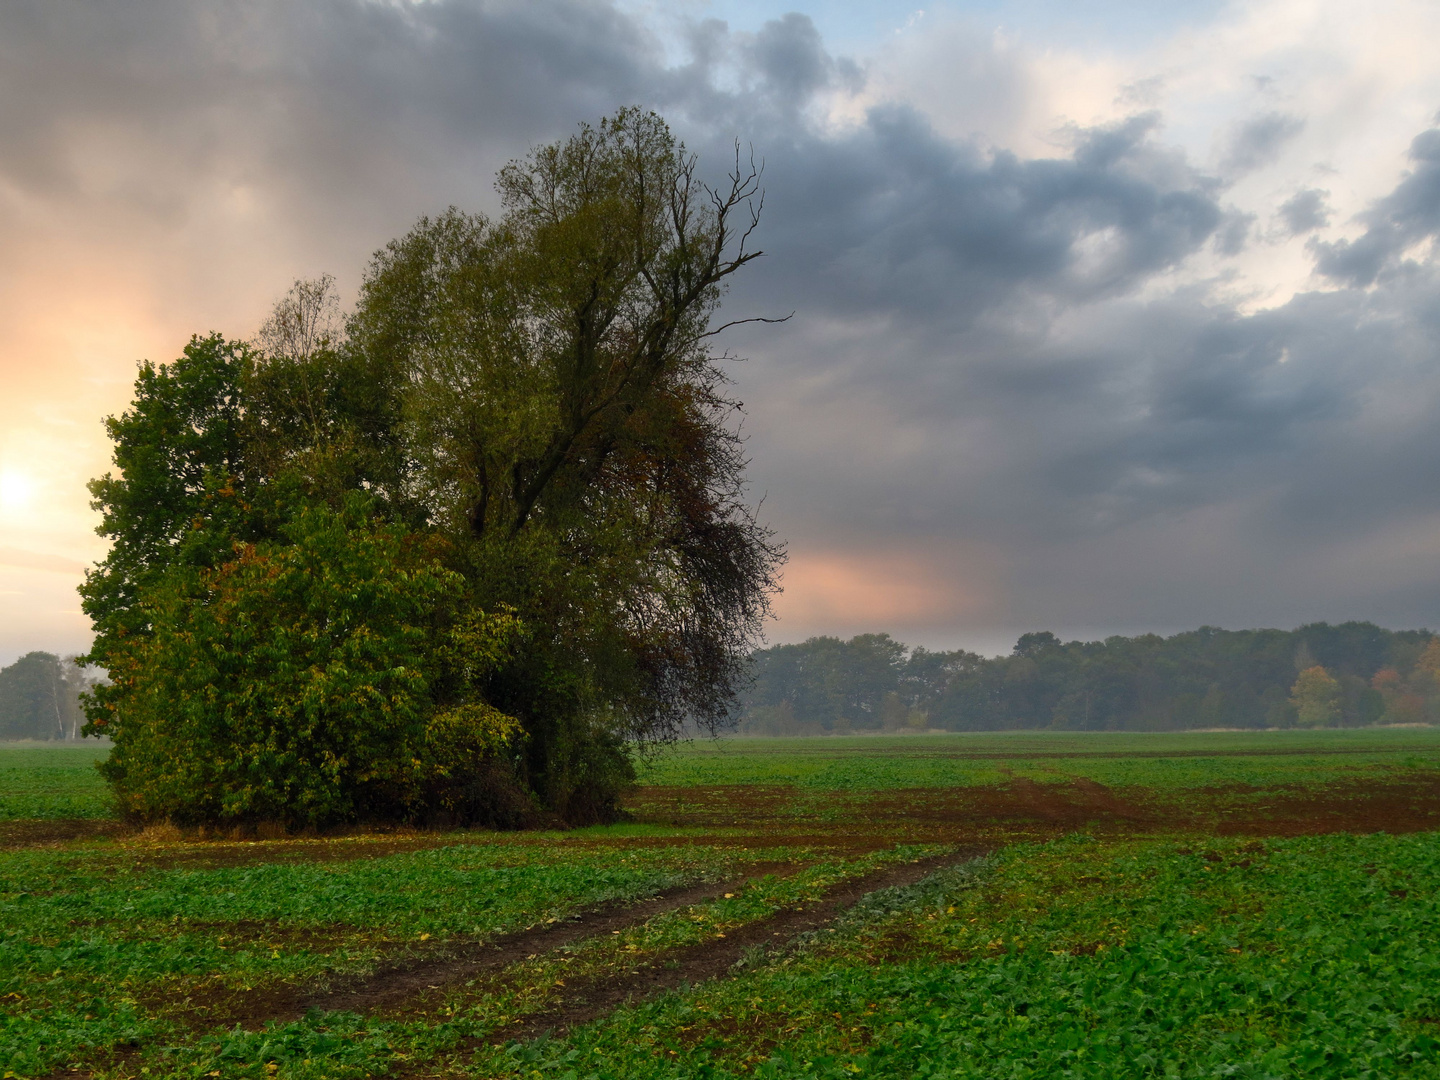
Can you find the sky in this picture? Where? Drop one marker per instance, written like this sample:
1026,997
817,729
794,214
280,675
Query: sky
1108,317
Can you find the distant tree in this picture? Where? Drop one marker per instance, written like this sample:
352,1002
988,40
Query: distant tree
1316,696
1415,698
831,685
40,697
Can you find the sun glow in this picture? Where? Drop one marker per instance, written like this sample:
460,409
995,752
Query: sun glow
17,490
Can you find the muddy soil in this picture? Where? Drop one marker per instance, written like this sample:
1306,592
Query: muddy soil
34,833
1024,808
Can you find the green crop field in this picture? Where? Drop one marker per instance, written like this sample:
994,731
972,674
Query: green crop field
39,781
1259,904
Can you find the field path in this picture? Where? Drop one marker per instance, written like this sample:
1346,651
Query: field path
717,957
400,985
393,987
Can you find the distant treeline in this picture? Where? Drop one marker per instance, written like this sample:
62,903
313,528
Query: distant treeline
1317,676
40,698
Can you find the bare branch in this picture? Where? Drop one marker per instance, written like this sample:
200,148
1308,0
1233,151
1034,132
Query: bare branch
742,322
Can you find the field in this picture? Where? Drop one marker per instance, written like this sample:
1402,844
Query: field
1025,905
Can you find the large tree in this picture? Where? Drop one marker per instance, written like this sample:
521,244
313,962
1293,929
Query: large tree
537,395
570,430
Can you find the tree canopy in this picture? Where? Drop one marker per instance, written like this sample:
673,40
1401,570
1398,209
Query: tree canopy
523,419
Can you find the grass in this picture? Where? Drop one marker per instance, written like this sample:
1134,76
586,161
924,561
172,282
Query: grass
125,939
1164,760
1165,920
40,781
1313,956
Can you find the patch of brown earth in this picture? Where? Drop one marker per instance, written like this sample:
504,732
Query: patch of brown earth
33,833
1355,807
118,1061
1098,797
1025,809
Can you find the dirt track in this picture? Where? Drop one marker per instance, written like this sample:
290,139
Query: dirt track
391,987
407,983
715,958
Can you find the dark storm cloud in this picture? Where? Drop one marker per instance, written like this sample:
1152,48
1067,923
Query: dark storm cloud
1233,233
331,106
984,351
891,218
790,60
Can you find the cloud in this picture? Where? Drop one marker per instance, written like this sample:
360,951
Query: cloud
1305,211
891,217
1258,141
1037,375
38,560
1402,219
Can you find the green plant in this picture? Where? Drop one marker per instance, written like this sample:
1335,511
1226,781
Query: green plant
327,677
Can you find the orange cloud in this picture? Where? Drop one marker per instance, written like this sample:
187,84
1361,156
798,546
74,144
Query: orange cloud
887,589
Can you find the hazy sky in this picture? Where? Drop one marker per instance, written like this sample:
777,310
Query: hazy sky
1110,317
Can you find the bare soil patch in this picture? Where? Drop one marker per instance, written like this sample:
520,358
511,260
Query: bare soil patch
1024,809
1355,807
31,832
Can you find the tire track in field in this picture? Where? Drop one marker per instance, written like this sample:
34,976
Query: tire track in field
590,1000
417,976
393,986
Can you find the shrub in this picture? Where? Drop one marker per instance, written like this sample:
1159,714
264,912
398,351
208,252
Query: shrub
326,677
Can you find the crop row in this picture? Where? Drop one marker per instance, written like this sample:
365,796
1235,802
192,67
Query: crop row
1078,958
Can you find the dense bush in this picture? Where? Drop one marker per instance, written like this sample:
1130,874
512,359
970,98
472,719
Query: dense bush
325,677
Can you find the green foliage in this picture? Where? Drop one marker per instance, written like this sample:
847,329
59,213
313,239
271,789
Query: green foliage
318,679
94,946
1183,955
570,434
538,392
1316,697
1205,678
179,451
1301,957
